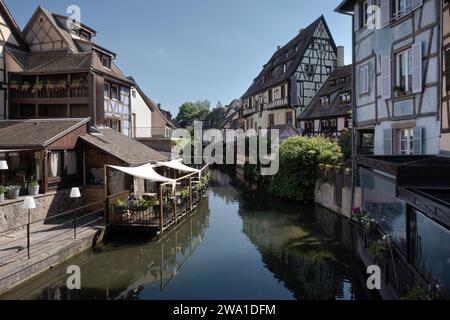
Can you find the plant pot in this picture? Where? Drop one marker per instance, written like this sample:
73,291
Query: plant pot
2,197
13,194
33,190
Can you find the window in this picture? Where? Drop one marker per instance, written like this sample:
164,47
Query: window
134,93
114,92
401,8
406,142
364,79
72,163
289,117
328,125
271,120
55,164
325,101
284,68
328,70
270,96
114,124
106,62
309,69
363,16
286,54
283,91
106,90
345,98
404,68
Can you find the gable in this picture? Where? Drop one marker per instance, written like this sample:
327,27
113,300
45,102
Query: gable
42,35
6,34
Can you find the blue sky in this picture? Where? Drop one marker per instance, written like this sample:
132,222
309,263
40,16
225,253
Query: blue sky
185,50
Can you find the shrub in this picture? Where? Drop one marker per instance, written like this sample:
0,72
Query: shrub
299,159
345,142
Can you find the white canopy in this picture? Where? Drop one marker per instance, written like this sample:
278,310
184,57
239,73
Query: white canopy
178,165
145,172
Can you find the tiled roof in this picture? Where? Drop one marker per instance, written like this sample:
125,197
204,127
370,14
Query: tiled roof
35,133
333,86
122,147
276,62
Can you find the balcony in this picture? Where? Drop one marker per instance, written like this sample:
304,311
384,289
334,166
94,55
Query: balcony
49,95
277,103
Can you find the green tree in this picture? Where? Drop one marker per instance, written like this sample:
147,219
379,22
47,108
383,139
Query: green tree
190,111
299,160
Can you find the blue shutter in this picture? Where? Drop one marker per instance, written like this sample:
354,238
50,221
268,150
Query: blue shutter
356,17
385,12
417,67
387,142
418,141
386,87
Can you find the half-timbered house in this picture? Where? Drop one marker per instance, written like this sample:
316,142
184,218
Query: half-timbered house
329,113
291,78
405,185
66,75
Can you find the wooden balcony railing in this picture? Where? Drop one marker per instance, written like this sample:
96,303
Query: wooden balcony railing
50,93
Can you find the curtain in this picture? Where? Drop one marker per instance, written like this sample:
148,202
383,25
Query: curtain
55,164
72,163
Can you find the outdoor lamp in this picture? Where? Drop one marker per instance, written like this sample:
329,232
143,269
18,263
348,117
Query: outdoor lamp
29,204
3,166
75,193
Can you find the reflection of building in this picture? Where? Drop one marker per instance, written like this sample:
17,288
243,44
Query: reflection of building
309,257
405,186
125,272
291,78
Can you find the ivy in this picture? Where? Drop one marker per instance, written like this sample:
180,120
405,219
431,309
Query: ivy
299,160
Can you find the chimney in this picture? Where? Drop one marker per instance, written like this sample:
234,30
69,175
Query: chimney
301,30
278,47
340,56
159,106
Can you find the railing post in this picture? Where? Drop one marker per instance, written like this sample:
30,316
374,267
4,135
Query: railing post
190,194
161,215
28,233
75,225
175,204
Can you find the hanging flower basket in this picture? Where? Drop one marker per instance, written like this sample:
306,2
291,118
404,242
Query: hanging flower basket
14,85
25,86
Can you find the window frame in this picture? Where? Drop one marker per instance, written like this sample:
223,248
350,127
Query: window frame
409,75
408,138
109,90
364,74
117,98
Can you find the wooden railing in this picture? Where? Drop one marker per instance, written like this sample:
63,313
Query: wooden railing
54,93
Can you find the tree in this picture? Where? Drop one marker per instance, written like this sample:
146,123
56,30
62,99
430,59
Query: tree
190,111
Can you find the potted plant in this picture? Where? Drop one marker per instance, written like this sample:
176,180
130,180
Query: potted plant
13,84
13,192
50,85
399,91
61,85
3,190
120,206
378,249
38,86
25,86
33,187
76,83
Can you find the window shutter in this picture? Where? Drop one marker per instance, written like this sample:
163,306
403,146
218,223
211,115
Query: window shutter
386,88
387,136
447,69
416,4
418,141
417,67
385,12
356,17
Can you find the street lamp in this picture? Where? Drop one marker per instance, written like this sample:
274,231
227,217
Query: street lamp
3,167
75,194
29,205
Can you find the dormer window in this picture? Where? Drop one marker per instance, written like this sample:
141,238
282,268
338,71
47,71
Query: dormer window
284,68
106,62
324,101
309,69
345,97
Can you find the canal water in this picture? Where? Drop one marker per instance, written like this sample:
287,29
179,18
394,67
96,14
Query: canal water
237,246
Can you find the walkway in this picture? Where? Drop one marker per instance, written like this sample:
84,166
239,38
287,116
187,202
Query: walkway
51,244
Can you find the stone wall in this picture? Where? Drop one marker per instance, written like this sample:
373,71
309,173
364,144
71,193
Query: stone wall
13,216
334,192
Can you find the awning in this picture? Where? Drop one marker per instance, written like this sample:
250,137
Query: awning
145,172
178,165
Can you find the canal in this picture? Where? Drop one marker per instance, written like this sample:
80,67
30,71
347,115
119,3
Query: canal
237,246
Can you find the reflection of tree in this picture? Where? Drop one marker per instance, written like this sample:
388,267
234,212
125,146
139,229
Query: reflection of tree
122,271
308,262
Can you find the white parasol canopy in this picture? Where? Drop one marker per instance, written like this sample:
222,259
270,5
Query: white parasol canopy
145,172
178,165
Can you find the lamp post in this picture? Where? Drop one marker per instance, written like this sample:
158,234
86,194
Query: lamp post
29,205
75,194
3,167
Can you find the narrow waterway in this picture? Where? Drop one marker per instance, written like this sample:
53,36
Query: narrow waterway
237,246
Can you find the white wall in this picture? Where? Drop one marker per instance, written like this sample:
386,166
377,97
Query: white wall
143,114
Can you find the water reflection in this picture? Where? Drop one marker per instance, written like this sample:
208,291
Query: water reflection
237,246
